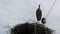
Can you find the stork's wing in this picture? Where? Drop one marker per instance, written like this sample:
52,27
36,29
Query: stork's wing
38,14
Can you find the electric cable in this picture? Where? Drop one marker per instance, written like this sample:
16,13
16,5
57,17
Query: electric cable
51,9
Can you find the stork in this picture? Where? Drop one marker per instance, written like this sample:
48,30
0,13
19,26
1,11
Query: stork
38,14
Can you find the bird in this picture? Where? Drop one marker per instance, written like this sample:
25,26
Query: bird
43,20
38,14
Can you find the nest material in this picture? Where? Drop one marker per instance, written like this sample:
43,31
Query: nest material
29,28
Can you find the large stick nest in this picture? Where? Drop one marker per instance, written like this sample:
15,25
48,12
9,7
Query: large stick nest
30,28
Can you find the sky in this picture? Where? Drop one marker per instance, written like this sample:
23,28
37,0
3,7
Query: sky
14,12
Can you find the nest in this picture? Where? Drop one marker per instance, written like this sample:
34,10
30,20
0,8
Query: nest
30,28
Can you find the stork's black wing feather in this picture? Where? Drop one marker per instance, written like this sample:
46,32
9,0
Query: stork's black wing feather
38,14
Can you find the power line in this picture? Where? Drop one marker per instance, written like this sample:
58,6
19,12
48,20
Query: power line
51,8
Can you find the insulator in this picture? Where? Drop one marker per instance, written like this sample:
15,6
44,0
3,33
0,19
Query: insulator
43,20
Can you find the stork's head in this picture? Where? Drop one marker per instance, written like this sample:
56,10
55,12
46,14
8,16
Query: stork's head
39,6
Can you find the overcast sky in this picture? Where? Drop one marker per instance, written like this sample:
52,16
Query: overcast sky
19,11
